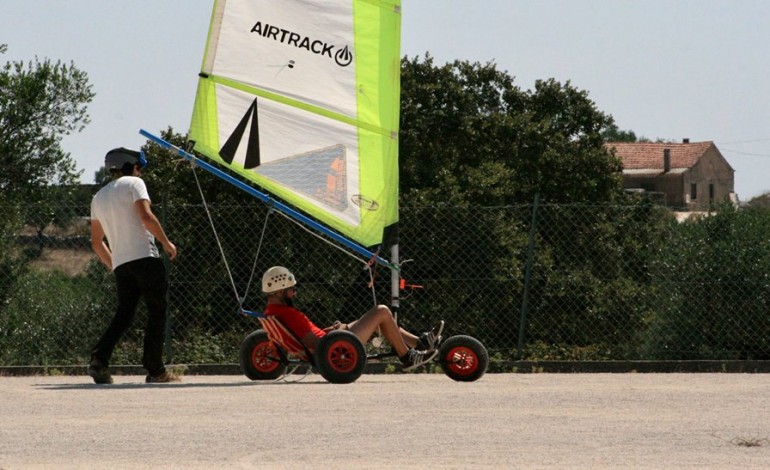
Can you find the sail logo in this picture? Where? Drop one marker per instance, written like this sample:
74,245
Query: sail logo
228,150
342,57
364,202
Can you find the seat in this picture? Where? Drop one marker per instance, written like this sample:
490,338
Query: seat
283,337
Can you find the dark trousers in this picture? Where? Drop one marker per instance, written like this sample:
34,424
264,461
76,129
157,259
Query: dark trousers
142,278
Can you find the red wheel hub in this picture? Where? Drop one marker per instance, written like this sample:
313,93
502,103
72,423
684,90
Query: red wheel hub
342,356
462,360
262,357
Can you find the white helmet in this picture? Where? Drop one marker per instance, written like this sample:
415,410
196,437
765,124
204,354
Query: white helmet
277,278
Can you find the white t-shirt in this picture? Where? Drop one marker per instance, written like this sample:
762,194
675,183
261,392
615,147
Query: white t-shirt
113,207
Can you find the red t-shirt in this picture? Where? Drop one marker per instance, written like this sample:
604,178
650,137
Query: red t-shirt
297,322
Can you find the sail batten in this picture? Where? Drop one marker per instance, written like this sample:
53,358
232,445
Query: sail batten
385,131
301,98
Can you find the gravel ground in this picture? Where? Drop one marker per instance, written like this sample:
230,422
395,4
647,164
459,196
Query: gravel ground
389,421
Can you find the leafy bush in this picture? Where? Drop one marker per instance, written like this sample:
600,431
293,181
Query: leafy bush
51,318
202,347
712,286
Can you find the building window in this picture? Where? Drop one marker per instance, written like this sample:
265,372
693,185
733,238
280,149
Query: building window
711,192
693,191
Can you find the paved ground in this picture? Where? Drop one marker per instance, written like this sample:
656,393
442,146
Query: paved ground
389,421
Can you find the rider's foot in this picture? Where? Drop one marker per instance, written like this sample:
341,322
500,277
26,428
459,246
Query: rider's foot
414,358
431,339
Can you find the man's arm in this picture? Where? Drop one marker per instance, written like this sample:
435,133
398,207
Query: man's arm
152,224
98,245
337,325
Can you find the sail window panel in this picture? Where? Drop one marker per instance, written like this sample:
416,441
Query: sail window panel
300,152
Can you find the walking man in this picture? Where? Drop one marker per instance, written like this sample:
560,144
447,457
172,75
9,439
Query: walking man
123,234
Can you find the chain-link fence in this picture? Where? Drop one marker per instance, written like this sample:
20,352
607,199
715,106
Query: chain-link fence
535,281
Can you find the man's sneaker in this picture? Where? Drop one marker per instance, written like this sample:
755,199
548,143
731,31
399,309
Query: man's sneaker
431,339
162,378
414,358
99,373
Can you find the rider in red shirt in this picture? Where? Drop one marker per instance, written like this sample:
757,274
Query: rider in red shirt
297,322
280,286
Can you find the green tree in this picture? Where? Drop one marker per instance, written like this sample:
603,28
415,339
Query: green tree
712,287
40,102
613,134
470,136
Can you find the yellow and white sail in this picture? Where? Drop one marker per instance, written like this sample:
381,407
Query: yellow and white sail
301,97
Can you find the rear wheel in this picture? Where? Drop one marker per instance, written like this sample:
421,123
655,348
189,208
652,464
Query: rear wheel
463,358
260,358
340,357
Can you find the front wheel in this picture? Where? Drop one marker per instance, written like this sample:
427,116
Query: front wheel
260,358
463,358
340,357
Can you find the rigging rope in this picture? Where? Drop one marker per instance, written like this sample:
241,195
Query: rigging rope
259,248
216,235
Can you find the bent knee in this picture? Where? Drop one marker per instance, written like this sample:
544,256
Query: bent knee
383,309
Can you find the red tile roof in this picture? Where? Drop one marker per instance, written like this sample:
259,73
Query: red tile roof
647,155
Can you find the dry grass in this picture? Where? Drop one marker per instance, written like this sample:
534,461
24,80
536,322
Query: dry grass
70,261
79,227
62,255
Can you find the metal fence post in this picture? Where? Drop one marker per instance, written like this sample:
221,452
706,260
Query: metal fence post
527,277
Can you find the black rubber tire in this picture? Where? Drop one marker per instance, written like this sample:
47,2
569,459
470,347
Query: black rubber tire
463,358
260,358
340,357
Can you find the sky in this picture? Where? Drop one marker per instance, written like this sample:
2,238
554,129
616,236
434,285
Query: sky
665,69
